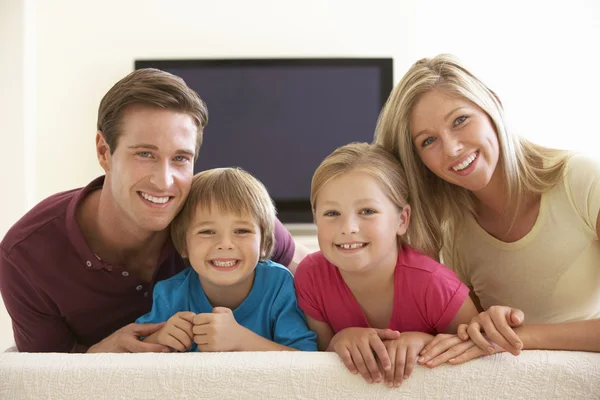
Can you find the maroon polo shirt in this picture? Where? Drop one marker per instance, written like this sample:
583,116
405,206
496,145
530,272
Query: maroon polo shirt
60,295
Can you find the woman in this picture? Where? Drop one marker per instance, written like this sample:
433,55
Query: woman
516,221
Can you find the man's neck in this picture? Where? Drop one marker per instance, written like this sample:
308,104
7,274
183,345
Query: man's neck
113,239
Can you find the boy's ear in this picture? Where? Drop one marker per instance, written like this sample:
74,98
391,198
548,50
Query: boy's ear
403,221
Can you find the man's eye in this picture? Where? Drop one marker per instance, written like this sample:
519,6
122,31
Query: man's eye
144,154
181,159
460,120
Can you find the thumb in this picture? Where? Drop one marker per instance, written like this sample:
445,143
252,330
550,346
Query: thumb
516,317
222,310
387,334
146,329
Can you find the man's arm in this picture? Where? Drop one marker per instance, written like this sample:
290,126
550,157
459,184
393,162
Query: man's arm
287,252
37,323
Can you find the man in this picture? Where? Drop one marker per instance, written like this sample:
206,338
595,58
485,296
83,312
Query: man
79,267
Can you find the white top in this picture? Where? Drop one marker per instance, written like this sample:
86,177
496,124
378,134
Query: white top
553,272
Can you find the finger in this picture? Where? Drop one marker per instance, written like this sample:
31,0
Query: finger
187,316
451,353
183,336
222,310
411,359
369,358
203,318
382,353
346,358
440,347
470,354
389,374
504,336
474,332
357,359
400,365
461,332
202,340
145,329
437,339
137,346
387,334
516,317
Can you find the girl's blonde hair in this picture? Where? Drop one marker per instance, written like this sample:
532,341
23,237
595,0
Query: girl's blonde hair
231,190
371,159
438,207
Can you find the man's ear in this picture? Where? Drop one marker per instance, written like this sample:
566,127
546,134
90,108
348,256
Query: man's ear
102,151
404,220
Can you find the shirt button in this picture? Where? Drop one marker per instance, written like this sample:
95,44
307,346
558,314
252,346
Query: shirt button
89,264
145,294
139,287
125,273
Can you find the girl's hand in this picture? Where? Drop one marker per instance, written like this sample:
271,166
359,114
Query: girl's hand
403,352
357,347
497,323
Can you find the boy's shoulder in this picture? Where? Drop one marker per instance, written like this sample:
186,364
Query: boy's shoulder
271,269
175,282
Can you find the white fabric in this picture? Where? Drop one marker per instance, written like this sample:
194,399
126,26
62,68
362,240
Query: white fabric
289,375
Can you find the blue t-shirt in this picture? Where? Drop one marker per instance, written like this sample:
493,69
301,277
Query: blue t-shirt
270,310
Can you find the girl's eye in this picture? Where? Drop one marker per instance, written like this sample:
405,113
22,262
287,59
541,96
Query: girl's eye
368,211
331,213
206,232
242,231
460,120
427,141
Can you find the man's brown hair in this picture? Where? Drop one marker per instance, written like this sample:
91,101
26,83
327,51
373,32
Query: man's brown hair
154,88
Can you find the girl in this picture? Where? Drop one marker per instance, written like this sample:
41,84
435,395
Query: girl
518,222
367,293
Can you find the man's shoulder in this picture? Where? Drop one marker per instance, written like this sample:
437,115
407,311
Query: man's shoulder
46,219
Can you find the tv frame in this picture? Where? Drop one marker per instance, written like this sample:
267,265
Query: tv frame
288,211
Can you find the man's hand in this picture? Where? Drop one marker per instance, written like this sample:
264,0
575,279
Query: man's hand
218,331
127,340
176,333
359,349
403,353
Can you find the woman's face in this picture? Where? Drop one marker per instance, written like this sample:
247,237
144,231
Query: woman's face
455,139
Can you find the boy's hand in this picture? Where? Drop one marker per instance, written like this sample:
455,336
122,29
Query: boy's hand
359,347
218,331
403,353
176,333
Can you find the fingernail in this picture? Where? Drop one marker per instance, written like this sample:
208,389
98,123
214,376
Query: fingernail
387,367
519,345
423,352
452,360
405,376
490,350
377,380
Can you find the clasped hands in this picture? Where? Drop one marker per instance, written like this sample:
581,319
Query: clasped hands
216,331
388,355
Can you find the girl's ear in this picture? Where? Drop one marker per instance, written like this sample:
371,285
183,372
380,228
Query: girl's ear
404,220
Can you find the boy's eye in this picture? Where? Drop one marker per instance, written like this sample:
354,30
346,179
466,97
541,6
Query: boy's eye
367,211
460,120
331,214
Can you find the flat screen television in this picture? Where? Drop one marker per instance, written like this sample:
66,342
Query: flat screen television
279,118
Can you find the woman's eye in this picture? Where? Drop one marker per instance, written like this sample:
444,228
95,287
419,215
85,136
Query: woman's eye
427,141
460,120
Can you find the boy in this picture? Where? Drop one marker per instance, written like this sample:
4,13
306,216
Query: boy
232,298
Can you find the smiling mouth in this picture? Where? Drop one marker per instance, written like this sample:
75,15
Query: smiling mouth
466,163
159,201
351,246
225,264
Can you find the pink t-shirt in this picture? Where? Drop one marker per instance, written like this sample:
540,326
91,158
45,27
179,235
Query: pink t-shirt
427,295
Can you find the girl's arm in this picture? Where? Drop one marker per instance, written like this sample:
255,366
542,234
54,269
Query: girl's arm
465,314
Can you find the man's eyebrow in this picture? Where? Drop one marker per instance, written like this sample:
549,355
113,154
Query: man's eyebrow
153,147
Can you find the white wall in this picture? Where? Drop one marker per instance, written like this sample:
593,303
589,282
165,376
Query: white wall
541,57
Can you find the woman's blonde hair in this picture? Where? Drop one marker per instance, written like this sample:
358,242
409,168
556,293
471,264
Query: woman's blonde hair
438,207
231,190
371,159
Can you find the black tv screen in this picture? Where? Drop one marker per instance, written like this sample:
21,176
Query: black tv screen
279,118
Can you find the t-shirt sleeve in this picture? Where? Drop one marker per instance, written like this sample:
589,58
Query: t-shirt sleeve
582,182
290,325
36,320
307,289
283,251
445,294
161,307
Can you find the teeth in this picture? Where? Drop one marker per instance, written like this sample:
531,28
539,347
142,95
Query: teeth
156,200
224,263
352,246
465,163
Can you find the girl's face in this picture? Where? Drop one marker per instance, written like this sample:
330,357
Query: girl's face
357,224
455,139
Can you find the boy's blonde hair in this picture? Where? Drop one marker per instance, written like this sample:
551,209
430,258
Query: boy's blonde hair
371,159
439,207
231,190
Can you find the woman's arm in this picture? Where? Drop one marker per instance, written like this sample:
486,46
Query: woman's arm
574,336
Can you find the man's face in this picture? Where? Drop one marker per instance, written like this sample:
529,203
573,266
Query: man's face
150,172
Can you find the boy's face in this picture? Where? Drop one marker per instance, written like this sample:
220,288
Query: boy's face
223,248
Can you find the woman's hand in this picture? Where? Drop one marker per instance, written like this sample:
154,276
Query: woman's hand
497,323
451,349
359,347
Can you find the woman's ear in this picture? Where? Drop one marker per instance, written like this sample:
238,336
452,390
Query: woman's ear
103,151
404,220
